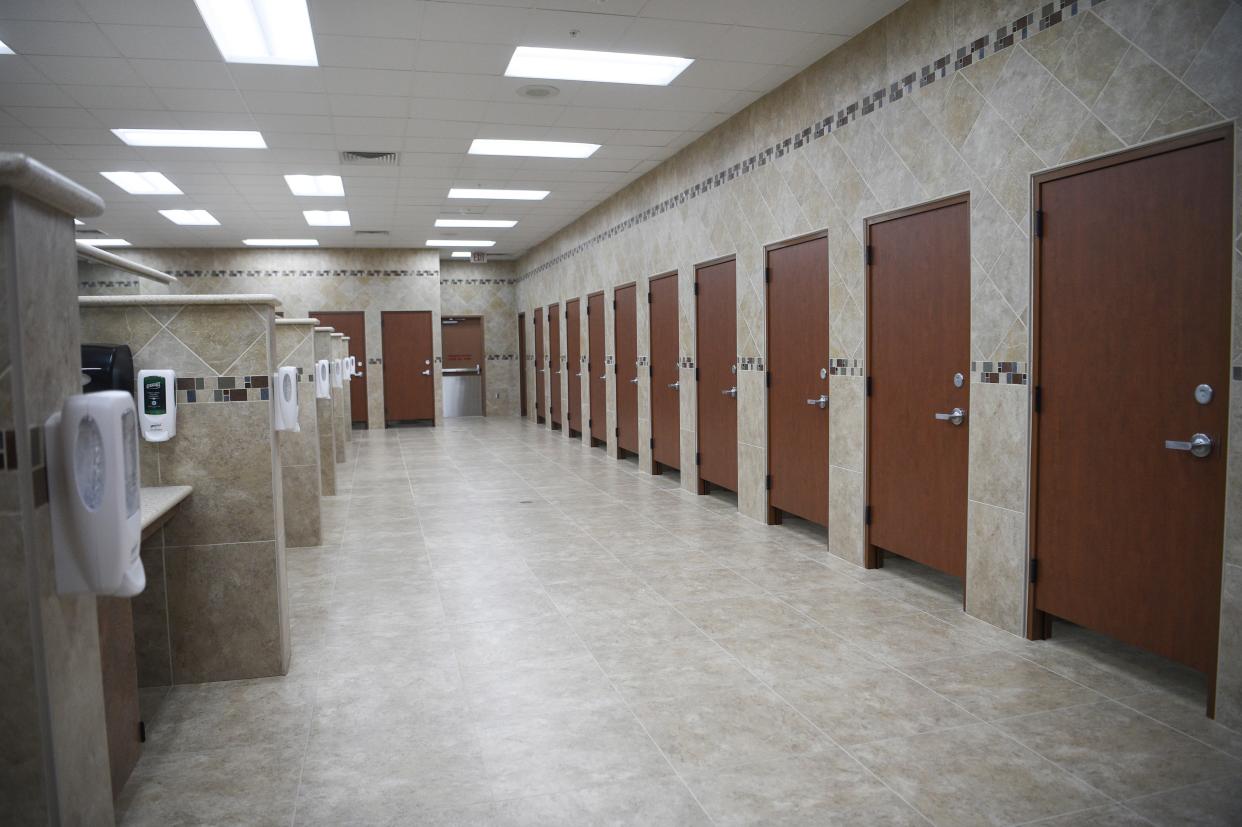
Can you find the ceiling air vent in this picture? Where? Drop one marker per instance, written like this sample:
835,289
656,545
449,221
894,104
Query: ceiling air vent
371,159
371,233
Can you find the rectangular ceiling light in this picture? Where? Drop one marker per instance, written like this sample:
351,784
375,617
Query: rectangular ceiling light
501,195
143,183
204,138
460,254
280,242
316,185
78,222
475,222
104,242
601,67
5,50
191,218
532,149
261,31
459,242
327,218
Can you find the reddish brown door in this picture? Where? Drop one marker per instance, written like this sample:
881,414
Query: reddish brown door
597,369
797,373
540,366
625,331
522,363
573,366
1132,316
716,345
353,324
555,368
409,375
119,667
918,341
665,373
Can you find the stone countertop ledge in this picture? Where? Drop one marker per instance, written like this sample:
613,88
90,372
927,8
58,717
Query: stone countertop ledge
179,299
324,329
26,175
341,335
158,501
282,320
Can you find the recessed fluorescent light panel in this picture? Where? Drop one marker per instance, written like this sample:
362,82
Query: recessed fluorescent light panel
500,195
458,242
327,218
261,31
204,138
143,183
280,242
601,67
460,254
474,222
104,242
532,149
191,218
78,222
315,184
5,50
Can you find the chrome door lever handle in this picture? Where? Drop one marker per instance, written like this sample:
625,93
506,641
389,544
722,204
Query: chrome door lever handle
604,378
1200,445
730,392
579,374
634,381
822,402
957,416
427,372
675,386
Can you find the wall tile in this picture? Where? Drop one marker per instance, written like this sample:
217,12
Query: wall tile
1229,677
1090,59
1176,31
1133,96
846,500
1215,70
996,566
999,429
218,335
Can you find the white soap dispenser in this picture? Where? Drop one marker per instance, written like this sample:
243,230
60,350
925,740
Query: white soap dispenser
336,373
322,385
286,399
93,488
158,397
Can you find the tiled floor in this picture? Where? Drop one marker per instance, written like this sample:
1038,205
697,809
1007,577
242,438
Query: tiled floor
508,629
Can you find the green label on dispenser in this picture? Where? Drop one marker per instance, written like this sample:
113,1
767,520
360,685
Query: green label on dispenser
154,392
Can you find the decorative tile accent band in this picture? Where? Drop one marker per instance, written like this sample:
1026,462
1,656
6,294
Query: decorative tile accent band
845,367
200,389
501,357
643,361
998,373
1237,373
750,363
107,283
192,274
686,362
1050,14
478,281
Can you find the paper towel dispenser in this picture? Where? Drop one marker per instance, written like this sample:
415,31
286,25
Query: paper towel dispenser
286,399
106,368
322,388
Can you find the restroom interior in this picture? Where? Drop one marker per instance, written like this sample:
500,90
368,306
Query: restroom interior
837,423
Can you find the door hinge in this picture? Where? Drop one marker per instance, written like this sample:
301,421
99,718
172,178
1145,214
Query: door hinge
767,275
651,371
614,304
698,458
648,297
1039,223
590,423
868,389
867,515
869,255
616,432
651,444
767,378
1034,569
696,288
696,374
768,482
142,731
588,310
1039,398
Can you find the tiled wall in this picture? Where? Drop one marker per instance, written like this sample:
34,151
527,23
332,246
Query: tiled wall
231,529
321,279
940,97
488,290
55,767
299,450
325,411
340,408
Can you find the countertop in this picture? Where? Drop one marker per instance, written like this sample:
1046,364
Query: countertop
159,500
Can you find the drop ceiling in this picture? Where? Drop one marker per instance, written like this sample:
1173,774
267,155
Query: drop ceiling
419,78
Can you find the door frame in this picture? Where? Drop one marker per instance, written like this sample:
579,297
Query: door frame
592,440
521,354
702,487
775,515
616,383
573,430
1038,623
657,468
554,395
873,558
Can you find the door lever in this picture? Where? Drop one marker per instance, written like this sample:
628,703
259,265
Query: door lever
730,392
634,381
675,386
1199,445
957,416
604,378
822,401
427,372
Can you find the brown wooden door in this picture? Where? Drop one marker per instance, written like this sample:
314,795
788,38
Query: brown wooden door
1132,314
625,331
573,365
353,324
409,375
521,323
797,371
540,366
665,372
119,666
918,339
555,368
716,346
597,369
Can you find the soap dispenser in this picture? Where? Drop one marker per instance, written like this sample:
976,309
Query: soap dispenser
286,399
336,373
158,415
322,386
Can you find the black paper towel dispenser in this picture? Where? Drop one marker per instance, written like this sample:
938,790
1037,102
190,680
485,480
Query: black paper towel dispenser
107,368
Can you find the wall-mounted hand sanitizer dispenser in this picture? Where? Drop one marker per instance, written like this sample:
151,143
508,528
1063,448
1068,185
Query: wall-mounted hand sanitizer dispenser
158,398
92,463
286,399
336,373
351,366
322,385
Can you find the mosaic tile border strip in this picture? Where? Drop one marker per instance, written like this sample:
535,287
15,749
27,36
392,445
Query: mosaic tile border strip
501,357
191,274
845,367
458,282
193,390
750,363
998,373
108,283
1048,15
686,362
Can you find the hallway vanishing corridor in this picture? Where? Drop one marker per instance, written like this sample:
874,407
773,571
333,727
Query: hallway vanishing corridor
504,627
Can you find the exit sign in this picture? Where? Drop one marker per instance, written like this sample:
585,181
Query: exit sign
478,257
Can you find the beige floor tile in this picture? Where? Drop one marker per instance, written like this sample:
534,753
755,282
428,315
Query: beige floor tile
633,626
683,667
1187,716
999,685
1216,803
232,714
596,595
702,584
845,601
507,642
743,616
557,686
659,802
909,639
795,654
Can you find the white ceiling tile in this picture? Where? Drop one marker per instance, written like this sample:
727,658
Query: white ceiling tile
367,18
595,118
137,119
38,116
21,135
368,106
670,37
294,123
42,10
365,52
367,143
465,58
144,12
369,126
287,103
162,42
70,39
82,137
645,137
557,29
202,100
527,114
94,71
435,145
255,77
755,45
113,97
17,69
454,86
183,74
427,128
473,24
445,109
214,120
342,81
